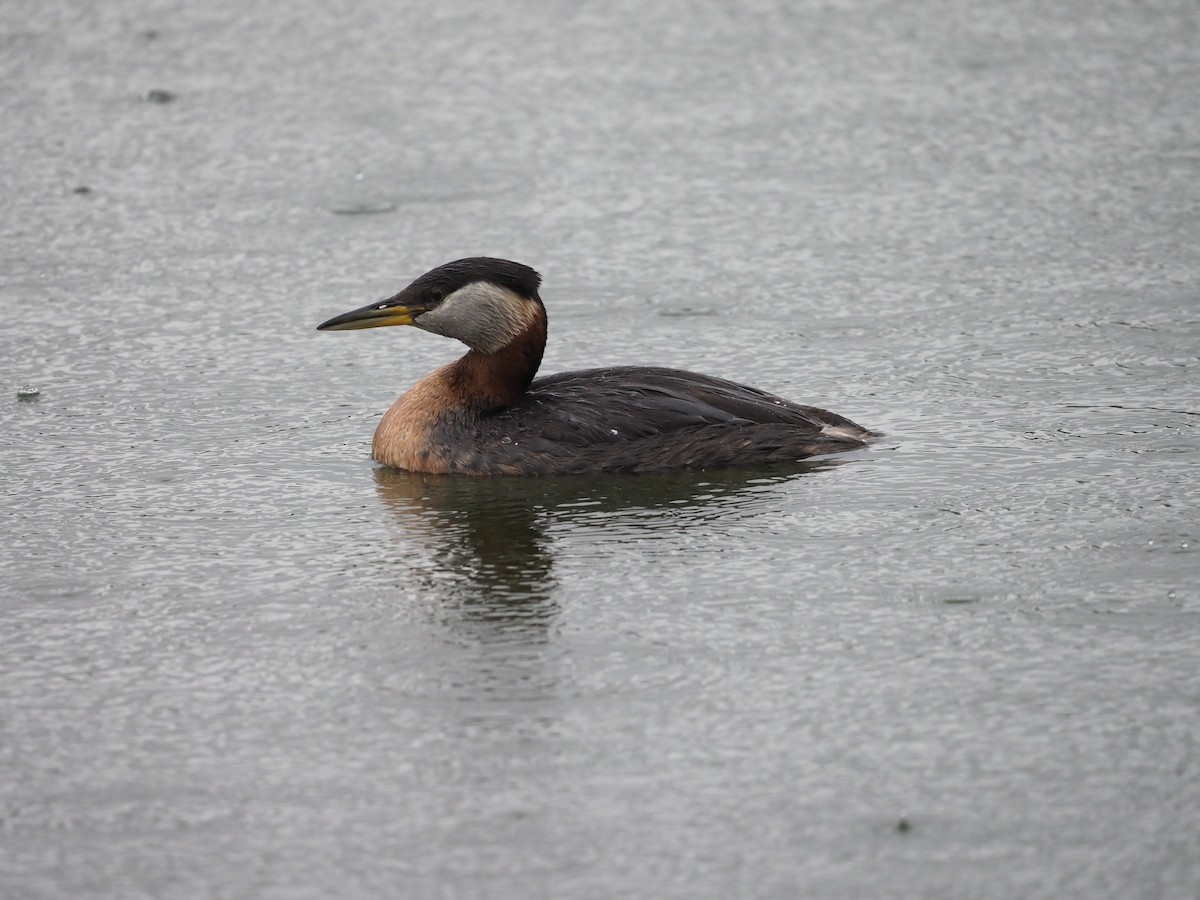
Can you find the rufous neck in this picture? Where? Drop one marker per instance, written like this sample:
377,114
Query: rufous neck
490,381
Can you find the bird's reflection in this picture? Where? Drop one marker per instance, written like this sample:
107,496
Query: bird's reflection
486,545
482,546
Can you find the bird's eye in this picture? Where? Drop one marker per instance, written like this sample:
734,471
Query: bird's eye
437,295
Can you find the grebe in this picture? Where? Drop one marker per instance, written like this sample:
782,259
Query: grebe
486,414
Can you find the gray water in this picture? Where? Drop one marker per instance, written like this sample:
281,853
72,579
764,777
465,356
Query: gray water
239,661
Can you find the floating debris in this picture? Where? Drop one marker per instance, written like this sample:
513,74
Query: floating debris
82,189
28,392
904,826
157,95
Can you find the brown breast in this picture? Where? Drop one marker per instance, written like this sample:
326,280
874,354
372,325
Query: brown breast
404,437
432,427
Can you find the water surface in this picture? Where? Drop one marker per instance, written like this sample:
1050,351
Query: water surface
241,661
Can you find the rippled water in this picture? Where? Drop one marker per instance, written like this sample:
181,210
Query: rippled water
240,661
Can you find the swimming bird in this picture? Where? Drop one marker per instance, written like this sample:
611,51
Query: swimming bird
487,414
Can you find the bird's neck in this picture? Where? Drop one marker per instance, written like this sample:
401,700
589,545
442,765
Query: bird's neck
490,381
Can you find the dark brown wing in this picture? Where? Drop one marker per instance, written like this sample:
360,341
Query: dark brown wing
638,401
647,419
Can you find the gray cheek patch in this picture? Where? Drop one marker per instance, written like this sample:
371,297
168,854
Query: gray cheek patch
482,315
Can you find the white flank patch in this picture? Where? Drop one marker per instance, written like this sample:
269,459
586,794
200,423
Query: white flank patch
841,431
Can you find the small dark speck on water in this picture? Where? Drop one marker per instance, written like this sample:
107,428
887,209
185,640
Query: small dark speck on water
363,209
150,34
82,189
903,826
28,393
156,95
688,311
960,600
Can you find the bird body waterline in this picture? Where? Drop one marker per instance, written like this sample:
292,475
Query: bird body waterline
487,413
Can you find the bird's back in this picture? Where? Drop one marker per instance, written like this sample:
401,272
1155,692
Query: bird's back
643,419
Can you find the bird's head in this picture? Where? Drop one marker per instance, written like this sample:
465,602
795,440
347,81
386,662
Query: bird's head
486,303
